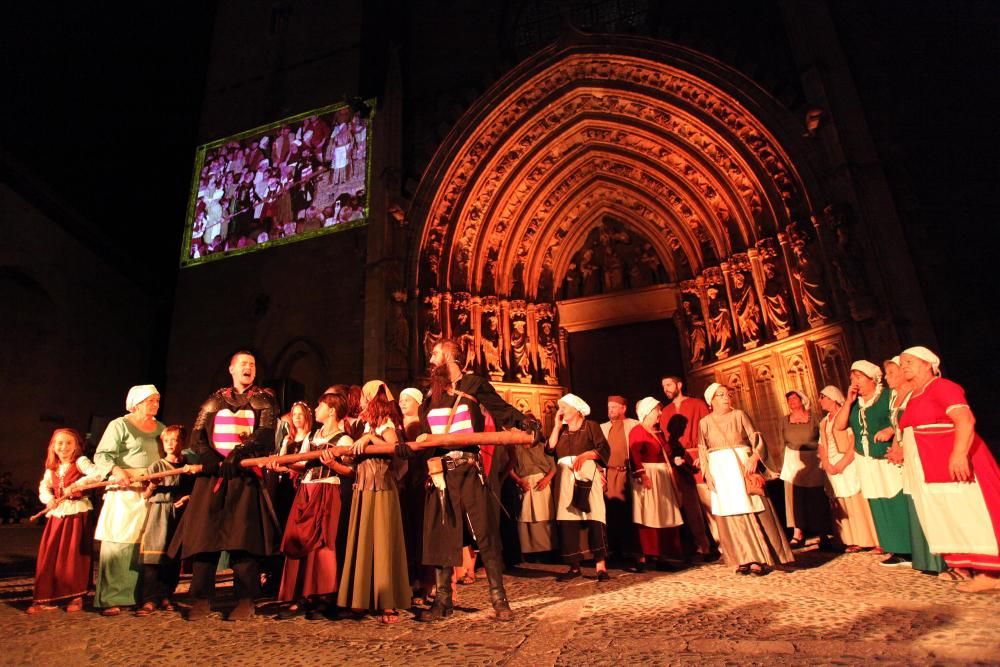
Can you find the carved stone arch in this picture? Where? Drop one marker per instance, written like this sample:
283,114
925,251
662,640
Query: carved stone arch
748,126
627,174
582,224
573,242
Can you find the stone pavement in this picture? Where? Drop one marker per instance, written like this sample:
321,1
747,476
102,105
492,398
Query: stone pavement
829,609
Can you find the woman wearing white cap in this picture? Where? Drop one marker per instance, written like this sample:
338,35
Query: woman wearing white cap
960,504
807,510
913,476
656,501
750,532
866,413
579,447
853,518
127,448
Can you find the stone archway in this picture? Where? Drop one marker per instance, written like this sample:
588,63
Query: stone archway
684,152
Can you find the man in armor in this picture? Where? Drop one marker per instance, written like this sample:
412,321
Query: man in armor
457,403
229,508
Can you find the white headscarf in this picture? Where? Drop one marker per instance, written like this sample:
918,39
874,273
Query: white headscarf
833,393
868,368
645,406
413,393
922,353
710,392
138,394
577,403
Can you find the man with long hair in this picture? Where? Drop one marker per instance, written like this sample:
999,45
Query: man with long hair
458,403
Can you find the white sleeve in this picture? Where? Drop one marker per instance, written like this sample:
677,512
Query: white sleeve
90,471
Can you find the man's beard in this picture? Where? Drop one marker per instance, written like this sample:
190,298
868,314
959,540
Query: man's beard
440,381
671,395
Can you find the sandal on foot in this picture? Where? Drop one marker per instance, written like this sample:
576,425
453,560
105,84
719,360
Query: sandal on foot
76,604
167,605
467,579
111,611
146,609
954,574
743,569
389,616
39,608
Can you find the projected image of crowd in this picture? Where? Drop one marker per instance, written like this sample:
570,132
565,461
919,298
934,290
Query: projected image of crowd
294,179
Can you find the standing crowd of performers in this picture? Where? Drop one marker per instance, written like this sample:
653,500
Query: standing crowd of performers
374,521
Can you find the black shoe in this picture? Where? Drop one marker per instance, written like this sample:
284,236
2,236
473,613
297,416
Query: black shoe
602,575
286,613
568,576
895,561
502,609
640,567
318,613
437,611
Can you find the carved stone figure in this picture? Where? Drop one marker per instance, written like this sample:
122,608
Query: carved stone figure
432,325
548,353
748,316
520,357
697,335
720,325
776,297
614,271
461,331
590,272
491,346
572,282
809,276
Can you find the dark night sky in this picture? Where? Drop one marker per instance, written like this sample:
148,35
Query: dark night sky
102,103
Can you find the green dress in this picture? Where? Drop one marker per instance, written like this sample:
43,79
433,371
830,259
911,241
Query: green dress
119,528
920,552
881,481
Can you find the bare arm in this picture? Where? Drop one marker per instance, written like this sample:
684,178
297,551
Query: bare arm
965,431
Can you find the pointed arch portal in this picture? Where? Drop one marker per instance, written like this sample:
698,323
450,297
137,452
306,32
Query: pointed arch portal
608,171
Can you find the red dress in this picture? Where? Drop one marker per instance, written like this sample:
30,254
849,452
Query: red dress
933,429
646,448
64,567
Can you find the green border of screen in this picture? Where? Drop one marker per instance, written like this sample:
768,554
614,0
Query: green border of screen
199,162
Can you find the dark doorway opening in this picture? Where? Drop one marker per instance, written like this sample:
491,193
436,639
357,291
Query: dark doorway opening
628,360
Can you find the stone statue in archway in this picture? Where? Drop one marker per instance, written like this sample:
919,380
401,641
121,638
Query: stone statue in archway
720,323
548,352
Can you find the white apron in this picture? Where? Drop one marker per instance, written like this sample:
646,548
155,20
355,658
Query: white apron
953,515
564,510
122,516
879,477
730,496
536,506
801,468
659,506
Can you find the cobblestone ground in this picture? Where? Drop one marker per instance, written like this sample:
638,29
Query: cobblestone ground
827,610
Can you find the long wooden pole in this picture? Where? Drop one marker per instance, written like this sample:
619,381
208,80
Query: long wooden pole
497,438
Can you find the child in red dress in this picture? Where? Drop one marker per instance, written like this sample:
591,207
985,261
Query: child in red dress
64,569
